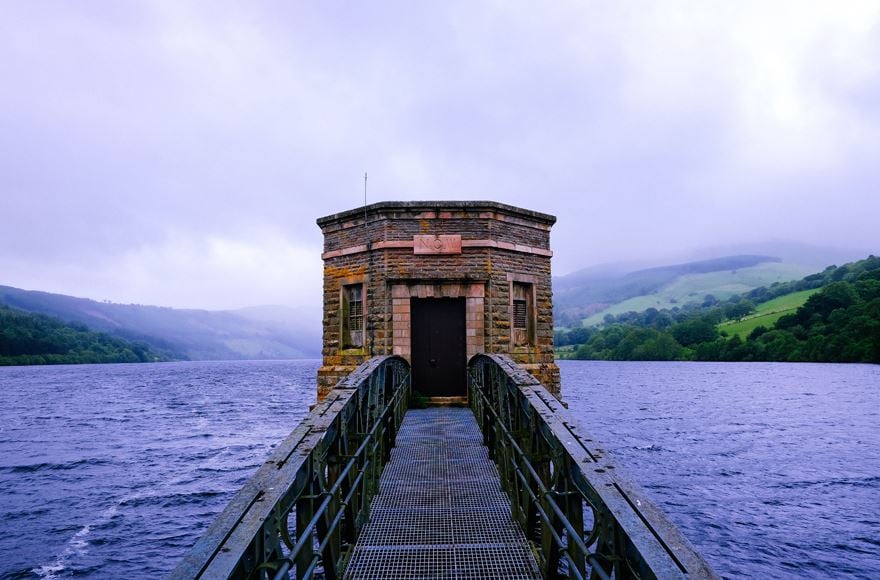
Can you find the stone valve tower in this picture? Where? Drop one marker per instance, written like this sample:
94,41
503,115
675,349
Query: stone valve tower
437,283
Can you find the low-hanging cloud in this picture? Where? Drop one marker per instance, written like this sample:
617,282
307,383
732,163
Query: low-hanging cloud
156,152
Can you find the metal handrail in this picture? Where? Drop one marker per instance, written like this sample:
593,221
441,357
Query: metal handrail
324,474
583,518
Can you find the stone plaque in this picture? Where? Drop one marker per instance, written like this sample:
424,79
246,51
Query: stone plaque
429,244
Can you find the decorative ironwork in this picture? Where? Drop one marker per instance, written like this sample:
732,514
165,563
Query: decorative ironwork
302,511
583,519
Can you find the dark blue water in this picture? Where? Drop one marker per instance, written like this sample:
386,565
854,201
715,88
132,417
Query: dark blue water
114,470
772,470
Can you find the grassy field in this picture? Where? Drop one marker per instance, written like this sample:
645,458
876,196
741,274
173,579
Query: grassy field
565,352
694,287
767,314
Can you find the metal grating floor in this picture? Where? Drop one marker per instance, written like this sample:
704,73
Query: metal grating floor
440,511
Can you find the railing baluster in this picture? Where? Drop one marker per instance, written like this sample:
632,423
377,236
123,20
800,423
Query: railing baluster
327,470
550,475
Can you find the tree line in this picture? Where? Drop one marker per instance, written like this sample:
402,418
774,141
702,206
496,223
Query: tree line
34,339
839,323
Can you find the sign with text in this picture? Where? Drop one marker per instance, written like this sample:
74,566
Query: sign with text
430,244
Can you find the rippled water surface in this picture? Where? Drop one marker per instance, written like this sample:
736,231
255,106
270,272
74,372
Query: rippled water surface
772,470
113,470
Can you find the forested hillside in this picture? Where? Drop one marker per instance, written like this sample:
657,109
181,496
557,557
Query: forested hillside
839,321
29,339
255,333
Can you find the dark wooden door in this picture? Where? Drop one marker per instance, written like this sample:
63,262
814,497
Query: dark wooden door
439,355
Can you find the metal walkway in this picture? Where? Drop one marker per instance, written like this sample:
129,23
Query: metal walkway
440,511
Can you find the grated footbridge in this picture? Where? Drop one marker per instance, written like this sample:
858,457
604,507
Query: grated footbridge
509,487
440,511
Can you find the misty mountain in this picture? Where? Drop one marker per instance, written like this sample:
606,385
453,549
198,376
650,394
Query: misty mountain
589,294
816,256
271,332
36,339
606,284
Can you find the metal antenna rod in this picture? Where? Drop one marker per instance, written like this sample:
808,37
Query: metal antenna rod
369,338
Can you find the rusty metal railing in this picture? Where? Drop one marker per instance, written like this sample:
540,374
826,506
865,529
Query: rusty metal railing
584,520
323,475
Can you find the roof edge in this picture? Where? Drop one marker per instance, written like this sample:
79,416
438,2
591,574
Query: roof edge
437,205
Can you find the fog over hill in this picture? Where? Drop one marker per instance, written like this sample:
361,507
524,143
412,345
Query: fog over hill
587,295
815,255
584,296
178,153
267,332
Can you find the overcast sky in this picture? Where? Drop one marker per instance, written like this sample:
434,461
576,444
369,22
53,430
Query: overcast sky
178,153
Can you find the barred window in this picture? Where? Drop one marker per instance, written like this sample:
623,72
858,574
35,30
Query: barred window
353,316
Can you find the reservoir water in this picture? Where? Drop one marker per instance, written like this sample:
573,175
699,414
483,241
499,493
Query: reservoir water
771,470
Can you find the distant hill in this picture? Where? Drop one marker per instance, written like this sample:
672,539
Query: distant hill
37,339
184,333
586,296
815,256
829,316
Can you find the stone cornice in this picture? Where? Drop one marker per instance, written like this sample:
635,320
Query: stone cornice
410,244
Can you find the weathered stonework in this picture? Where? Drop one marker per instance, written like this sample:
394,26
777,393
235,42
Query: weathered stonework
472,250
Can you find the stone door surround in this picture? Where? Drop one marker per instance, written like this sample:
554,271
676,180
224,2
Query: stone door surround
474,294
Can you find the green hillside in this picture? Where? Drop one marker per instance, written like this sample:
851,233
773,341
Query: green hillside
829,316
767,314
33,339
693,288
256,333
585,292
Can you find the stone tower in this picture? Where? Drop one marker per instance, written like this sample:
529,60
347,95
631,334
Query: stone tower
436,283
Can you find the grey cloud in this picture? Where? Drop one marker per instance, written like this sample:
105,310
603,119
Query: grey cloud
128,126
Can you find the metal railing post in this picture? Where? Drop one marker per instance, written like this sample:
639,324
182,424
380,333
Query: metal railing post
324,474
551,474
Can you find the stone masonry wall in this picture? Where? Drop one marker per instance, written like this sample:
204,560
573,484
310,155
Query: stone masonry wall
381,256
